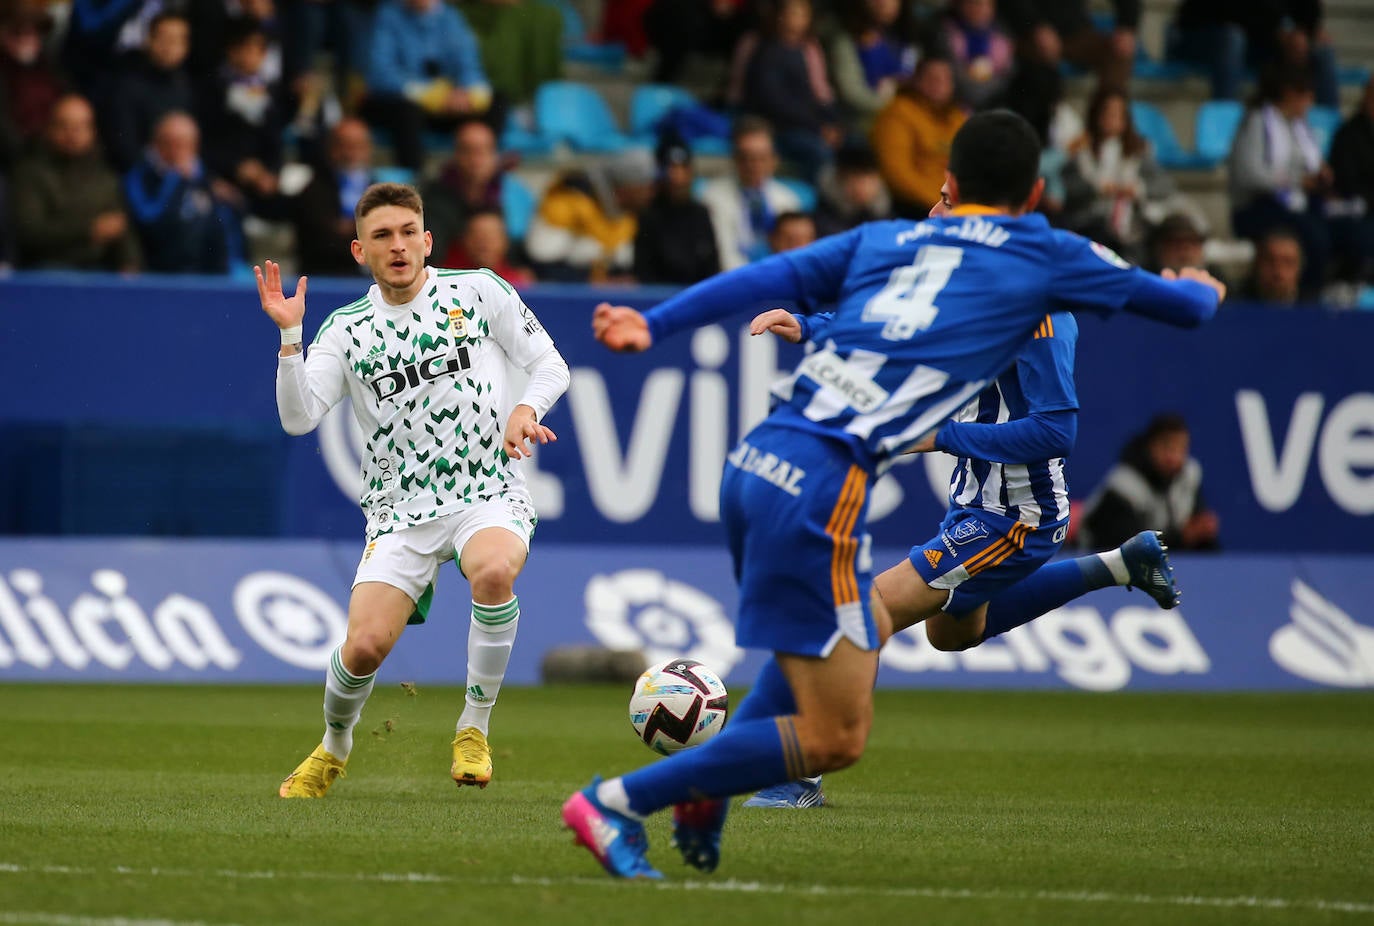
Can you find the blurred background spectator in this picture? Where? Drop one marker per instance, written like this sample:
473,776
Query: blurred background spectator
425,72
853,194
29,80
1178,242
791,231
1277,272
744,207
912,134
521,42
780,74
675,242
1052,31
322,213
146,86
1277,176
68,209
98,33
467,181
585,227
1352,183
486,243
1230,38
1110,176
679,28
982,53
185,218
1156,485
870,55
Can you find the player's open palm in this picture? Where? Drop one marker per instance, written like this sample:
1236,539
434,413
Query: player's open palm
621,328
779,321
287,313
523,431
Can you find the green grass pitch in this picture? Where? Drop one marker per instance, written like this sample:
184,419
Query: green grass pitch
141,805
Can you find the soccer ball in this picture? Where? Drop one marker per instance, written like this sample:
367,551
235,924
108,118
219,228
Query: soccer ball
676,704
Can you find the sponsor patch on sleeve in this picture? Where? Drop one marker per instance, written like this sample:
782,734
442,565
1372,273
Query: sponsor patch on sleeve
1110,256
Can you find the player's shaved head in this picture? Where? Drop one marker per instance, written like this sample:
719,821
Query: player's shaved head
995,159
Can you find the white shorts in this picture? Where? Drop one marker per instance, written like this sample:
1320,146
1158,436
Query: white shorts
409,559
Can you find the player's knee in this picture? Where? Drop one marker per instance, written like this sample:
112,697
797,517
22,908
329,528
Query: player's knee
950,639
493,579
838,747
364,652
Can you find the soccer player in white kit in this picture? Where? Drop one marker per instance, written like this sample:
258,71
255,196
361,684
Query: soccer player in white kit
423,359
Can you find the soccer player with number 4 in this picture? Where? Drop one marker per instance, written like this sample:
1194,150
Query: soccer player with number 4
926,315
423,359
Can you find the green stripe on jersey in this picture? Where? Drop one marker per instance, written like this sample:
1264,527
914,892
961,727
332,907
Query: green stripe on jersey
353,308
500,282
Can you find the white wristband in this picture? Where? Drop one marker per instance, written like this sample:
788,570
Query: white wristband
291,335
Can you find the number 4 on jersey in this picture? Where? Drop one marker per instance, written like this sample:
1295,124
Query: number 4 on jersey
907,303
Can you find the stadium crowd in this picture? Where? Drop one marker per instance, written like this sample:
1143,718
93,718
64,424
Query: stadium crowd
163,136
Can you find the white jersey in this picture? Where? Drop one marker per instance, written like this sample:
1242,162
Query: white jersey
427,381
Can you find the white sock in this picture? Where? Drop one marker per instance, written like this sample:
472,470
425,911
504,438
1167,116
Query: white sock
490,639
344,696
1116,564
612,796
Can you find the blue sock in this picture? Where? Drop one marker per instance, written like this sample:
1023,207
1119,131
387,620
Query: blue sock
1049,587
741,758
771,696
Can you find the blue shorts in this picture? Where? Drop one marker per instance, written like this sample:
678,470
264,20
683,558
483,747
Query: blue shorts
795,506
977,555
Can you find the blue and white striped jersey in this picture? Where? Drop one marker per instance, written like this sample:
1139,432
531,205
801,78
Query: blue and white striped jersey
1035,493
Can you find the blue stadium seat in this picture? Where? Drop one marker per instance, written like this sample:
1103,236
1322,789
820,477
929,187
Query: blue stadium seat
805,192
576,47
575,113
1151,123
1217,123
517,205
391,174
649,103
1324,120
522,141
1352,75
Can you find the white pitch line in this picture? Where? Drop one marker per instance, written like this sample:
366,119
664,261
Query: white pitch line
725,886
62,919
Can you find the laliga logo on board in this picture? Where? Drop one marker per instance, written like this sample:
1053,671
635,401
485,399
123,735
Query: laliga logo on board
1323,644
645,610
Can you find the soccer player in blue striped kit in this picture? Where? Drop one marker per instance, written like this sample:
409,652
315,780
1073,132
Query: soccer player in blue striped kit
927,314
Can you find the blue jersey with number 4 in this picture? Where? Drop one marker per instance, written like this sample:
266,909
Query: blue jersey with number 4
926,315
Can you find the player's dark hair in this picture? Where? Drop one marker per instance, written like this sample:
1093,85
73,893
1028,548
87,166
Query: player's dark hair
1164,424
388,194
995,157
793,216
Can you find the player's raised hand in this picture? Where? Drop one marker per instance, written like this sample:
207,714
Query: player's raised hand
521,429
621,328
287,313
1197,275
779,321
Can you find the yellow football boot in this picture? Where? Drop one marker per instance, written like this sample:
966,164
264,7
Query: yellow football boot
471,758
313,777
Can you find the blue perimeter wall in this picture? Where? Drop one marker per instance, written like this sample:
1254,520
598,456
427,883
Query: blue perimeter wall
145,408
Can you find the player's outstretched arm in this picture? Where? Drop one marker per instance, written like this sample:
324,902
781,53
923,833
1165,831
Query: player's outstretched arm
1197,275
621,328
780,322
286,313
523,428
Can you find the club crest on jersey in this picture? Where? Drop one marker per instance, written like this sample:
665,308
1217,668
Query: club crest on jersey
967,532
1110,256
424,370
457,323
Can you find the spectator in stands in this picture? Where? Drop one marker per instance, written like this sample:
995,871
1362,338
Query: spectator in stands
1156,486
744,207
982,53
678,28
854,194
486,243
184,217
98,34
322,213
1277,272
870,56
780,74
585,226
243,116
1277,176
467,181
68,208
1227,38
912,134
1177,242
521,42
425,73
29,82
149,85
675,242
1051,31
1352,177
1111,175
792,230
